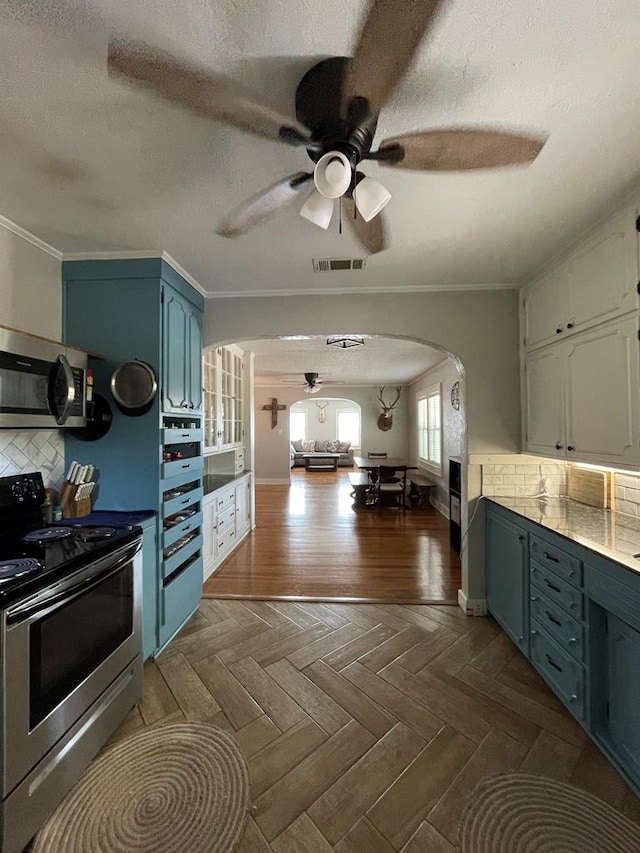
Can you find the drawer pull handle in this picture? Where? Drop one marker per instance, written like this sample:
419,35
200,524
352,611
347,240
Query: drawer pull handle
186,466
553,663
573,697
551,586
186,527
549,557
534,598
533,632
184,503
572,641
553,619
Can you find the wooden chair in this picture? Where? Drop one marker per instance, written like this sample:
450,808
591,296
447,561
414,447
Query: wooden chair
391,487
373,474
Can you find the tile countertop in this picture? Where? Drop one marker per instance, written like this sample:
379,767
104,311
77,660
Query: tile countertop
613,535
213,482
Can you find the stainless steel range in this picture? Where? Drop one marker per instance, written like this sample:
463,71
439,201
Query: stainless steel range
70,642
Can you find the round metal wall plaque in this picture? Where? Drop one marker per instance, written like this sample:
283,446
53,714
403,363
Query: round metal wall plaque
134,385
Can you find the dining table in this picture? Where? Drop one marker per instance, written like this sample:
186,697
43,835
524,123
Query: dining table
367,464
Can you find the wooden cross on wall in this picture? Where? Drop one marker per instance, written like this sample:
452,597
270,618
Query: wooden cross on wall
274,408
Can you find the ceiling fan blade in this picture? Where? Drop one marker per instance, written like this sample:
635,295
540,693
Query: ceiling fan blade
373,234
201,92
388,41
455,149
265,205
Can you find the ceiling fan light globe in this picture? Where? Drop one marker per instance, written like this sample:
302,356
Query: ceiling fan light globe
370,198
332,174
318,209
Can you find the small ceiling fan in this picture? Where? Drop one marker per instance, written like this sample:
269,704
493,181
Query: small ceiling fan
337,105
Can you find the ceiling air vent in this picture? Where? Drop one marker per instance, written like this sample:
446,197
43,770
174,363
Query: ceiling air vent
338,264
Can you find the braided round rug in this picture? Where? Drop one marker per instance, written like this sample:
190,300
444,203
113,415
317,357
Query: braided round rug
532,814
178,787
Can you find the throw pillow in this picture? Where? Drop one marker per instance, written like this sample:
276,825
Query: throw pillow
321,447
344,446
297,445
332,446
309,445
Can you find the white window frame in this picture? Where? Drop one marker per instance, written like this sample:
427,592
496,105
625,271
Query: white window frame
306,424
422,398
350,412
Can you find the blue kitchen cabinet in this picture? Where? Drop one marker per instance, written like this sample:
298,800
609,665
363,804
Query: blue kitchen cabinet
181,354
143,309
582,614
507,577
149,587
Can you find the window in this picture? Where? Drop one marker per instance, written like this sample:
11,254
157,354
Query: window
297,426
430,428
349,427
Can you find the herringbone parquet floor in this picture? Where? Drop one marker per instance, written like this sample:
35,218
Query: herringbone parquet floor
367,727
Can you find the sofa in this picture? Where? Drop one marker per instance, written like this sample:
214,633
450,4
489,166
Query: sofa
297,454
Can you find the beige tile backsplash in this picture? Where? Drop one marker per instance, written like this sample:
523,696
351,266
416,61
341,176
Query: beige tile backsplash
627,494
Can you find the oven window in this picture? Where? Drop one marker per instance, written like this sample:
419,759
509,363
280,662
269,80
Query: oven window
69,644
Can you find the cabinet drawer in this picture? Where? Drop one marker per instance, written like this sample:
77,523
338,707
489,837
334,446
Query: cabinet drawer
181,466
564,628
180,598
226,499
558,590
563,564
190,548
558,668
180,436
226,543
181,502
226,521
183,528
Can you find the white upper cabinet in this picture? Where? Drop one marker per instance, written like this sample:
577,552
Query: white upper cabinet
583,397
544,389
602,394
597,282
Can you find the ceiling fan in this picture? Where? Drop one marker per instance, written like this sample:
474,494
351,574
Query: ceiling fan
337,105
312,383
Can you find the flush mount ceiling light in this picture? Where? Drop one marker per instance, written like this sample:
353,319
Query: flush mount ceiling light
345,341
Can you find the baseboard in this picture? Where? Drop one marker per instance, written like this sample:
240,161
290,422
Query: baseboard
472,606
443,509
266,481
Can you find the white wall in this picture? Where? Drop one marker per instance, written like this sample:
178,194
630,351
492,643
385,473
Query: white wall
453,426
272,445
328,429
479,327
30,300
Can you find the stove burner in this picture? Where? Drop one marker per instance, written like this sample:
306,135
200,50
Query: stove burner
91,534
14,569
48,534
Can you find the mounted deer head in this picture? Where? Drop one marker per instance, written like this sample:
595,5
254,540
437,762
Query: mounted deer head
385,420
322,415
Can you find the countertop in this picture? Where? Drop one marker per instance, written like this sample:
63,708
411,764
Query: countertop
613,535
109,516
213,482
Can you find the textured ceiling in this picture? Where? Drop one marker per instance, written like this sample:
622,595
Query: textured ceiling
89,165
380,361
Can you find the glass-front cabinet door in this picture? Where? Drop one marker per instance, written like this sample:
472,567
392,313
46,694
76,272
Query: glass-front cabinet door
223,399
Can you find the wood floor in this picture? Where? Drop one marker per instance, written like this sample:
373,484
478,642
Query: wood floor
310,544
367,727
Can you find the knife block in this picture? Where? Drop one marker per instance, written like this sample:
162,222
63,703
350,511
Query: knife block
72,508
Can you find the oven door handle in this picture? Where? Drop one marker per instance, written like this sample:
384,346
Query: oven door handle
43,604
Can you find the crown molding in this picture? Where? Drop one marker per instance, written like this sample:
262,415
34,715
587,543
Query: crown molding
362,291
137,254
30,238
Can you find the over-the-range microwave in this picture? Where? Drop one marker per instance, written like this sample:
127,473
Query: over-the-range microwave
42,383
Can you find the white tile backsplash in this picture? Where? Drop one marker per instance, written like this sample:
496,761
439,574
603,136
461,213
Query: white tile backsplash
518,480
24,451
